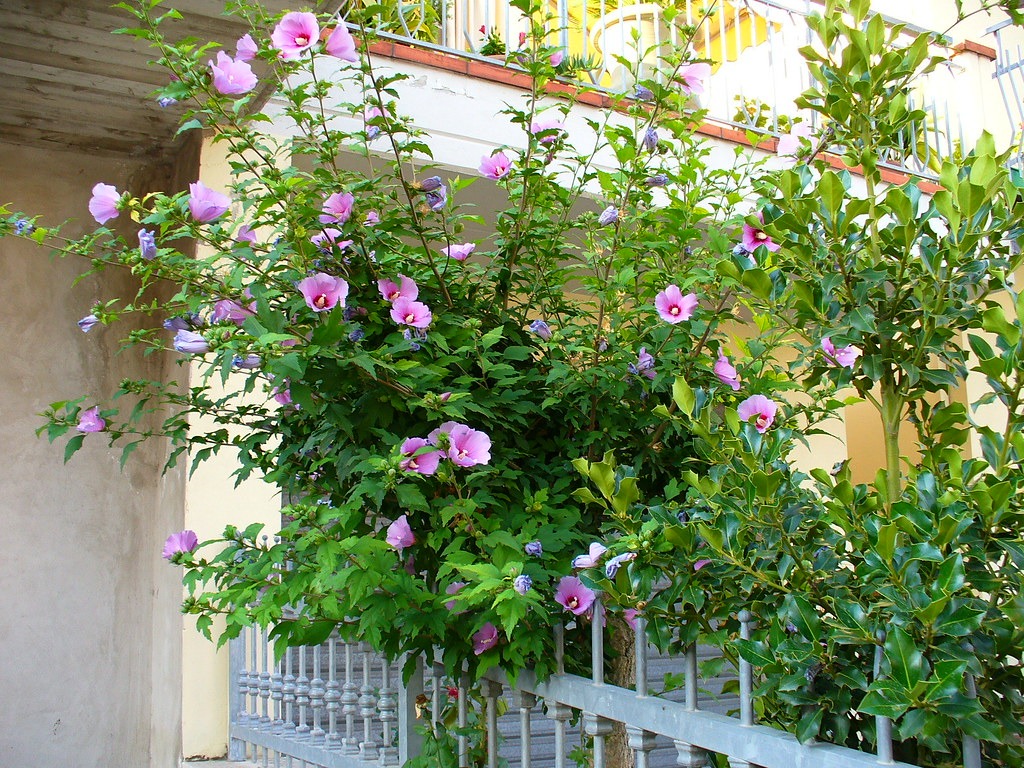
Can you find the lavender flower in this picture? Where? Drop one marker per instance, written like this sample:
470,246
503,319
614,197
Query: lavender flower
643,93
357,335
612,566
609,215
534,549
437,198
166,101
88,322
657,180
650,139
24,227
522,584
541,328
177,324
190,343
147,244
430,184
248,363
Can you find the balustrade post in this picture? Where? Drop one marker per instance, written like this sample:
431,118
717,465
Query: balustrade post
410,741
690,755
254,678
492,691
264,683
333,695
367,707
387,704
277,697
288,692
883,725
302,695
746,681
463,719
594,725
637,739
971,745
350,702
238,676
316,698
527,701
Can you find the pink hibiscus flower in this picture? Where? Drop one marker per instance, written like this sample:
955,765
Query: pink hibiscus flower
323,292
673,306
295,34
759,408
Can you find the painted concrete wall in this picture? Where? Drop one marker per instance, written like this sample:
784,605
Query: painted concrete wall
90,628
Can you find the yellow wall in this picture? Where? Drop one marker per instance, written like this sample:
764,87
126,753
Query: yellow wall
212,501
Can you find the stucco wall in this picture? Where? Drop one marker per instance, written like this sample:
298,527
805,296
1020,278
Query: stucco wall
90,627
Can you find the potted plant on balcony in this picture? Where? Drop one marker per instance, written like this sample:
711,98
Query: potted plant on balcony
492,45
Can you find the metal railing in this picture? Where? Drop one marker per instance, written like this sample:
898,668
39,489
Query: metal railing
1009,76
754,44
340,705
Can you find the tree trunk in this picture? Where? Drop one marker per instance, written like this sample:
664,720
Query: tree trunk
622,672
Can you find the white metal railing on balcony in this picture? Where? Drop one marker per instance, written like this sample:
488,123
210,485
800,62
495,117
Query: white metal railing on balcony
753,44
1009,75
340,705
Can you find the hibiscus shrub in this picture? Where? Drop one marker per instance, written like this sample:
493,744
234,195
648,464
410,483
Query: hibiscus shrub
418,396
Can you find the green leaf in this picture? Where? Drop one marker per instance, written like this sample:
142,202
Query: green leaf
959,619
886,545
885,700
809,725
907,666
831,191
799,611
994,321
983,169
756,652
72,446
683,396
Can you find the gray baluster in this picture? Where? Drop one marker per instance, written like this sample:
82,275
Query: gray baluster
689,755
437,679
288,692
492,691
463,721
236,700
349,702
594,725
333,696
388,705
242,682
277,696
367,707
972,747
560,713
555,710
410,741
316,698
264,684
746,688
639,740
883,725
302,696
254,678
527,701
597,727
